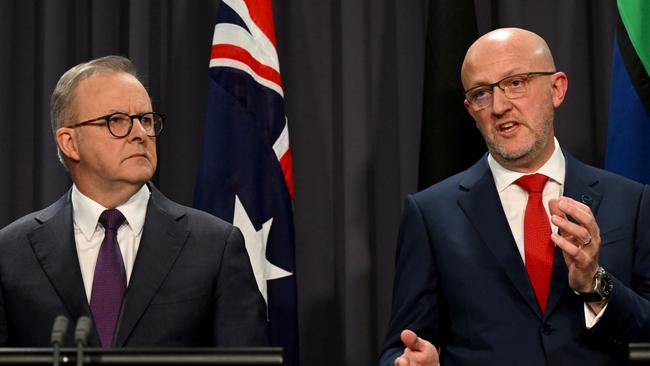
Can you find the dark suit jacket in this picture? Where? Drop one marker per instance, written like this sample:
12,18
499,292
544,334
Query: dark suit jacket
461,283
191,285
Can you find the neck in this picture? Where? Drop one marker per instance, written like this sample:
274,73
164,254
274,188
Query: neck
529,163
526,167
109,197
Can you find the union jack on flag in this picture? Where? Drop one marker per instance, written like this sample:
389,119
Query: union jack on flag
245,173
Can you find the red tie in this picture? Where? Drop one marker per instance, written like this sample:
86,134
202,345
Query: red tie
537,237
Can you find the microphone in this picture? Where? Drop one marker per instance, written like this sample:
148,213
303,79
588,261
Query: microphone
81,332
59,329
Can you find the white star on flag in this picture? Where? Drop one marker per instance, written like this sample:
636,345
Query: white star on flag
256,247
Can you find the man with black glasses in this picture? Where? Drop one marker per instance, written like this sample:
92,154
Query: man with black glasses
147,271
529,257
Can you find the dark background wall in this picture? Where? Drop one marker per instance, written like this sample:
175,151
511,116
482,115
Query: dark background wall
353,77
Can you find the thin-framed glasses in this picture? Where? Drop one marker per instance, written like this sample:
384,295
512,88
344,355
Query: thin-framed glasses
513,86
120,124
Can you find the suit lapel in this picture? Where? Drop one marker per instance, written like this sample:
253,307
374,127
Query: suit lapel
479,205
559,281
162,240
54,246
580,184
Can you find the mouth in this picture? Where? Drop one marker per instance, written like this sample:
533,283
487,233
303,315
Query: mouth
137,155
507,128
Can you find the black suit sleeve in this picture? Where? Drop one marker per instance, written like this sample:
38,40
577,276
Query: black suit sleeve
239,309
415,293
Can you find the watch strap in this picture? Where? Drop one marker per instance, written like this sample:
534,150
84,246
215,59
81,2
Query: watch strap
602,287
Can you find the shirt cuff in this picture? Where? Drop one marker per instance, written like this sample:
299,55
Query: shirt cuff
590,318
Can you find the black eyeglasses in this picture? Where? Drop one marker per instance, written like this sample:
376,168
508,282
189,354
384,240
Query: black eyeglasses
513,86
120,124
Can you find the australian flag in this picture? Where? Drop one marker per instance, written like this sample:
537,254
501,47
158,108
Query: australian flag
245,173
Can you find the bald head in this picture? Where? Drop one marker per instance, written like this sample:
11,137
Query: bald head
515,118
516,49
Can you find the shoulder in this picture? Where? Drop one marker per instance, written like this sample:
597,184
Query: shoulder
195,220
610,179
455,185
602,179
35,219
22,225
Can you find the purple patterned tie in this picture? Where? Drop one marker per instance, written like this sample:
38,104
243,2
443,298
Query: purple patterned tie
109,282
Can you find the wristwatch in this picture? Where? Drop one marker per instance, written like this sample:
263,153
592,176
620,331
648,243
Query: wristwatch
602,287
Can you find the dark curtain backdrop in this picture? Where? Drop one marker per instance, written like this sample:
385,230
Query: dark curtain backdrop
353,75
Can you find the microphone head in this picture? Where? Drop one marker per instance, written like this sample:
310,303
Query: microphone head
82,330
59,328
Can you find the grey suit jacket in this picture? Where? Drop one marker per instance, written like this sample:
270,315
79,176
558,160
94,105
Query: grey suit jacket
191,285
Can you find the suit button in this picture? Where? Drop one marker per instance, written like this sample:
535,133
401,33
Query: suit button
547,329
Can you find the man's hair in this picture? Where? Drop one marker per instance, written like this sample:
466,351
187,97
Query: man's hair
64,92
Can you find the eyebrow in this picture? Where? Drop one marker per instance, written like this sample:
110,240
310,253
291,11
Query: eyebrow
507,74
145,110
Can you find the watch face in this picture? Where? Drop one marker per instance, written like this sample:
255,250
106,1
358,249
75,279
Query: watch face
604,284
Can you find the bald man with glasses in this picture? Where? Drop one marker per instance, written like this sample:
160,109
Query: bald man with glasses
529,257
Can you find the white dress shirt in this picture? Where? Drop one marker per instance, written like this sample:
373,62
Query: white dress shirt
89,233
514,200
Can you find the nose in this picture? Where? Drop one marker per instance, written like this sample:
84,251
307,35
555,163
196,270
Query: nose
137,131
500,103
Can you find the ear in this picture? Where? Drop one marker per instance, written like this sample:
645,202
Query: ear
66,139
560,84
469,109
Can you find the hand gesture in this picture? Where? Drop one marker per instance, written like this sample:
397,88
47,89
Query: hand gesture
579,240
417,351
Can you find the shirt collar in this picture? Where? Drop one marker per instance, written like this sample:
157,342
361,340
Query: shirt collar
554,168
86,212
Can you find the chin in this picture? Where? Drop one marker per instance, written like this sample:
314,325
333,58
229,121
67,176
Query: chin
139,166
516,155
511,153
140,177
